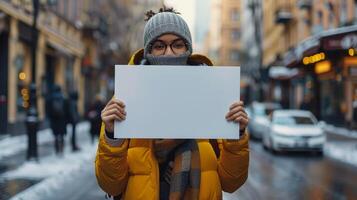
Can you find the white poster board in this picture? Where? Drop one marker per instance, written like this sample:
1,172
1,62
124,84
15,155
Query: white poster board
176,101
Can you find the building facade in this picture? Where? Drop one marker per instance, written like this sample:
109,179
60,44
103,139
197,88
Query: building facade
59,54
223,43
212,41
320,42
230,33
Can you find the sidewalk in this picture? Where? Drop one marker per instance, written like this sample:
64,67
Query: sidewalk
3,137
72,176
342,145
10,145
340,131
20,179
61,177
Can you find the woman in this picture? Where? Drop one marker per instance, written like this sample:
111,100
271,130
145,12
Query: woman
169,169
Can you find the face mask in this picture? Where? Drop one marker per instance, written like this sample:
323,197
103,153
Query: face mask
168,60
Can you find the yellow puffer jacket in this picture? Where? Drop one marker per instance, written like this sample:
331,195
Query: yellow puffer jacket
132,170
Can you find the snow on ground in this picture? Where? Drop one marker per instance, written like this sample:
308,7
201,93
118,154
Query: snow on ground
53,165
342,151
59,171
56,171
340,131
11,145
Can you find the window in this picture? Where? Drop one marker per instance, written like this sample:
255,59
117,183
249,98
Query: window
355,12
235,34
331,15
234,55
331,20
65,10
343,12
234,15
293,120
318,27
70,84
319,17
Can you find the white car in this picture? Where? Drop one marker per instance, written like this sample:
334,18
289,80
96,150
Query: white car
294,130
258,118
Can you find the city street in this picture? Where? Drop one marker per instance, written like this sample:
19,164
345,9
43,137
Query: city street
285,71
51,174
299,175
281,176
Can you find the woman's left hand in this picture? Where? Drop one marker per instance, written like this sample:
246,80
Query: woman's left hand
237,114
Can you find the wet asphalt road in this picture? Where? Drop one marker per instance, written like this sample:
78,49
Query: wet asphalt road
11,187
298,175
281,176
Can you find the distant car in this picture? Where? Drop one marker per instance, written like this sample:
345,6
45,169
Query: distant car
294,130
258,118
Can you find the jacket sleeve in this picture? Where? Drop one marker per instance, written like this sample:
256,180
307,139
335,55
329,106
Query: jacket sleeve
111,165
233,163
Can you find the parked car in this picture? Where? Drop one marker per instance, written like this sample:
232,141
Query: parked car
294,130
258,118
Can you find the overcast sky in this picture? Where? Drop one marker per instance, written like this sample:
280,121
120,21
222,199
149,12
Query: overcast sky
195,13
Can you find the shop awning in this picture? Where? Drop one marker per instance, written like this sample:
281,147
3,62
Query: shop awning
308,46
334,39
338,31
281,72
339,39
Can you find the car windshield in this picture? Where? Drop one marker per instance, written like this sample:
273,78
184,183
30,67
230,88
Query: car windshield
293,120
264,110
259,111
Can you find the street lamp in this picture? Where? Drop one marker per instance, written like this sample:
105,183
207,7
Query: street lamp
32,120
256,9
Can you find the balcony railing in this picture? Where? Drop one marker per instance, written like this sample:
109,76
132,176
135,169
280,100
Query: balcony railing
305,4
283,8
283,16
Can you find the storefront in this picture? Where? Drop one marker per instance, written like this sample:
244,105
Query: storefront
329,64
4,37
59,53
350,66
280,87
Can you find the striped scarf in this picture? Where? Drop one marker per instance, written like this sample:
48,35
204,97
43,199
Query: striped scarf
186,171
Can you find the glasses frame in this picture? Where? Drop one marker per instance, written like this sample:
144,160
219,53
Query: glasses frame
166,45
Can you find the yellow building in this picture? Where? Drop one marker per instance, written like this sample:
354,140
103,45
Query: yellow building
288,22
230,32
317,37
59,54
212,41
279,29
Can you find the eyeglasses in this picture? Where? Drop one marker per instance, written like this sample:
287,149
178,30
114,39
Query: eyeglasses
159,47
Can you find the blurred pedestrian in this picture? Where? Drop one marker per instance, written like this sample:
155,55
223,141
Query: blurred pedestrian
57,117
73,117
306,104
354,114
170,168
93,115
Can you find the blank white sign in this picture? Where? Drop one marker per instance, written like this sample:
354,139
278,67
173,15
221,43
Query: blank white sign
176,101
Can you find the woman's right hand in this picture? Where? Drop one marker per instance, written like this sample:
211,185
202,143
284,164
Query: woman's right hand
114,110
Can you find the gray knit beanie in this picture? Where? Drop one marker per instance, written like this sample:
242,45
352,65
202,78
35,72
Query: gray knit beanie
162,23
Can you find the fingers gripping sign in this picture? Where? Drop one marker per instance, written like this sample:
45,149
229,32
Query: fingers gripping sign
238,115
114,110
